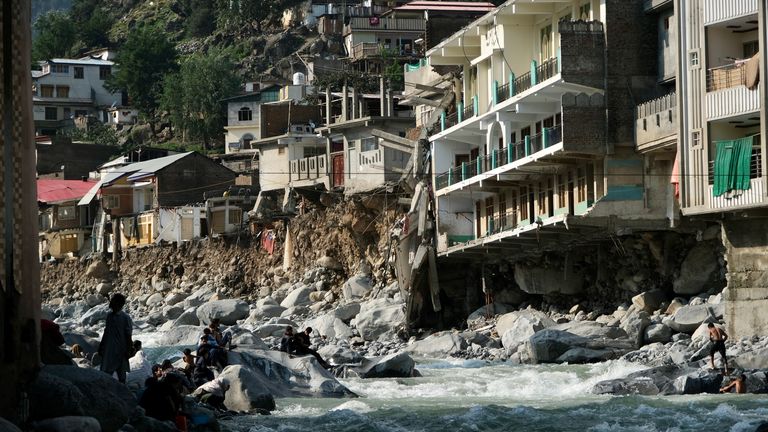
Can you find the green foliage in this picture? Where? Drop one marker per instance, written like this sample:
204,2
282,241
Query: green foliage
363,82
96,133
193,96
94,33
201,18
393,70
56,34
144,60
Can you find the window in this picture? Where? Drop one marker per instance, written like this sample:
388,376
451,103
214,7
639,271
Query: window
110,201
235,216
581,185
693,59
502,210
245,114
62,91
281,150
562,191
51,113
541,203
46,91
313,151
696,139
105,72
489,225
514,207
60,69
546,43
66,213
524,203
369,143
79,74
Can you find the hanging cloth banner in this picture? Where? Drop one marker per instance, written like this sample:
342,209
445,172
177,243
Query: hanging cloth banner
732,161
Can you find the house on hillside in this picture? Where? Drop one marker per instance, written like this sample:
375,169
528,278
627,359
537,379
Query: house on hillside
244,114
158,199
64,226
68,89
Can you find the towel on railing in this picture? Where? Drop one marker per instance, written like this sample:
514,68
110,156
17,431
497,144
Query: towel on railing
732,166
675,177
752,75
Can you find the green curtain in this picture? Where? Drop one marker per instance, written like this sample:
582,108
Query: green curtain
732,165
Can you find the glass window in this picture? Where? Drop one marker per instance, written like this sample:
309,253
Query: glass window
369,143
51,113
60,69
584,11
66,213
105,72
46,91
79,74
245,114
62,91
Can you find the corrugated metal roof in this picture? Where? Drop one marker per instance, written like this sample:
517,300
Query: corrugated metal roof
51,191
447,6
105,180
93,62
145,168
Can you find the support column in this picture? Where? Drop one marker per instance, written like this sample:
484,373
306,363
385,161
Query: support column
382,103
355,104
345,101
328,98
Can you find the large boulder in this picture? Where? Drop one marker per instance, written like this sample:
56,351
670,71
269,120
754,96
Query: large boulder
89,392
88,344
330,326
68,423
95,315
188,317
298,297
378,317
551,345
438,345
247,390
399,365
265,311
649,301
757,359
228,311
282,375
72,310
347,312
339,355
591,329
626,386
198,297
699,382
537,319
657,333
271,330
634,324
356,287
688,318
699,271
98,269
541,280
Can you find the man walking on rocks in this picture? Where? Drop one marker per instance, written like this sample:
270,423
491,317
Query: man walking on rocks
116,345
718,338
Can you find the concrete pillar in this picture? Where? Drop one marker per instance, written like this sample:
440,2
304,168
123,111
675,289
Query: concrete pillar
382,102
355,105
746,294
328,97
390,102
344,102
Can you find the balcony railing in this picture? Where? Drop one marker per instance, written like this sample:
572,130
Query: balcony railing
723,77
503,93
500,157
755,166
459,116
309,168
370,157
500,222
372,49
517,85
382,24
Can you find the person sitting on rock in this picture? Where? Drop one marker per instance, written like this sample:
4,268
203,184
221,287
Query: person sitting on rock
301,344
116,345
141,368
201,374
163,399
286,342
189,362
213,393
218,355
739,384
222,339
718,338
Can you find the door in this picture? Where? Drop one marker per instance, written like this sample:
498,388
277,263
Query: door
338,170
187,228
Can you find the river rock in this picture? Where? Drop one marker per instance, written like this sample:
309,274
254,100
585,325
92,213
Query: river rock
339,355
181,335
626,386
541,280
634,324
68,424
347,311
247,390
95,315
198,297
699,382
399,365
585,355
265,311
757,359
172,312
535,319
175,298
378,317
548,345
6,426
330,326
438,345
98,269
699,271
188,317
649,301
88,344
228,311
298,297
591,330
94,299
689,317
674,305
101,396
154,300
657,333
478,316
250,340
356,287
271,330
284,376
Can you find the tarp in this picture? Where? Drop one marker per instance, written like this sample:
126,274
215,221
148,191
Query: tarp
732,165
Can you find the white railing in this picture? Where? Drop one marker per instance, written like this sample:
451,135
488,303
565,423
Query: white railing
309,168
370,157
732,101
752,196
723,10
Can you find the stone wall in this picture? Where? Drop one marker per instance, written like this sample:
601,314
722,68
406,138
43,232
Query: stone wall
746,295
584,123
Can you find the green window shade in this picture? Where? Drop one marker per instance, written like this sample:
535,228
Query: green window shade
732,160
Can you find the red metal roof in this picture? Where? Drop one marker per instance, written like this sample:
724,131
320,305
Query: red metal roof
54,190
456,6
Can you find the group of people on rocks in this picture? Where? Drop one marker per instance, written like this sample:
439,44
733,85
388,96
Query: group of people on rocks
299,344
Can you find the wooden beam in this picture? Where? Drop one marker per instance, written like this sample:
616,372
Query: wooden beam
395,140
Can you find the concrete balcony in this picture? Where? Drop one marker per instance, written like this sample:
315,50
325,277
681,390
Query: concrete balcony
309,168
716,11
377,24
365,50
727,94
656,124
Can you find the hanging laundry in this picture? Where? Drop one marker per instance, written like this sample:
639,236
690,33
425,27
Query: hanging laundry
732,161
268,242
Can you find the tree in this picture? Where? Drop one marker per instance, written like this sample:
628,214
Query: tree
193,95
144,60
56,35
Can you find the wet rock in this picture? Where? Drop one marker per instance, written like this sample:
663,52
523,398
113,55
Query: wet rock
228,311
438,345
547,346
516,327
68,424
585,355
699,271
339,355
399,365
699,382
247,390
95,315
657,333
626,386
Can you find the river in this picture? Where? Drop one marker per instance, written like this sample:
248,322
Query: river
478,396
